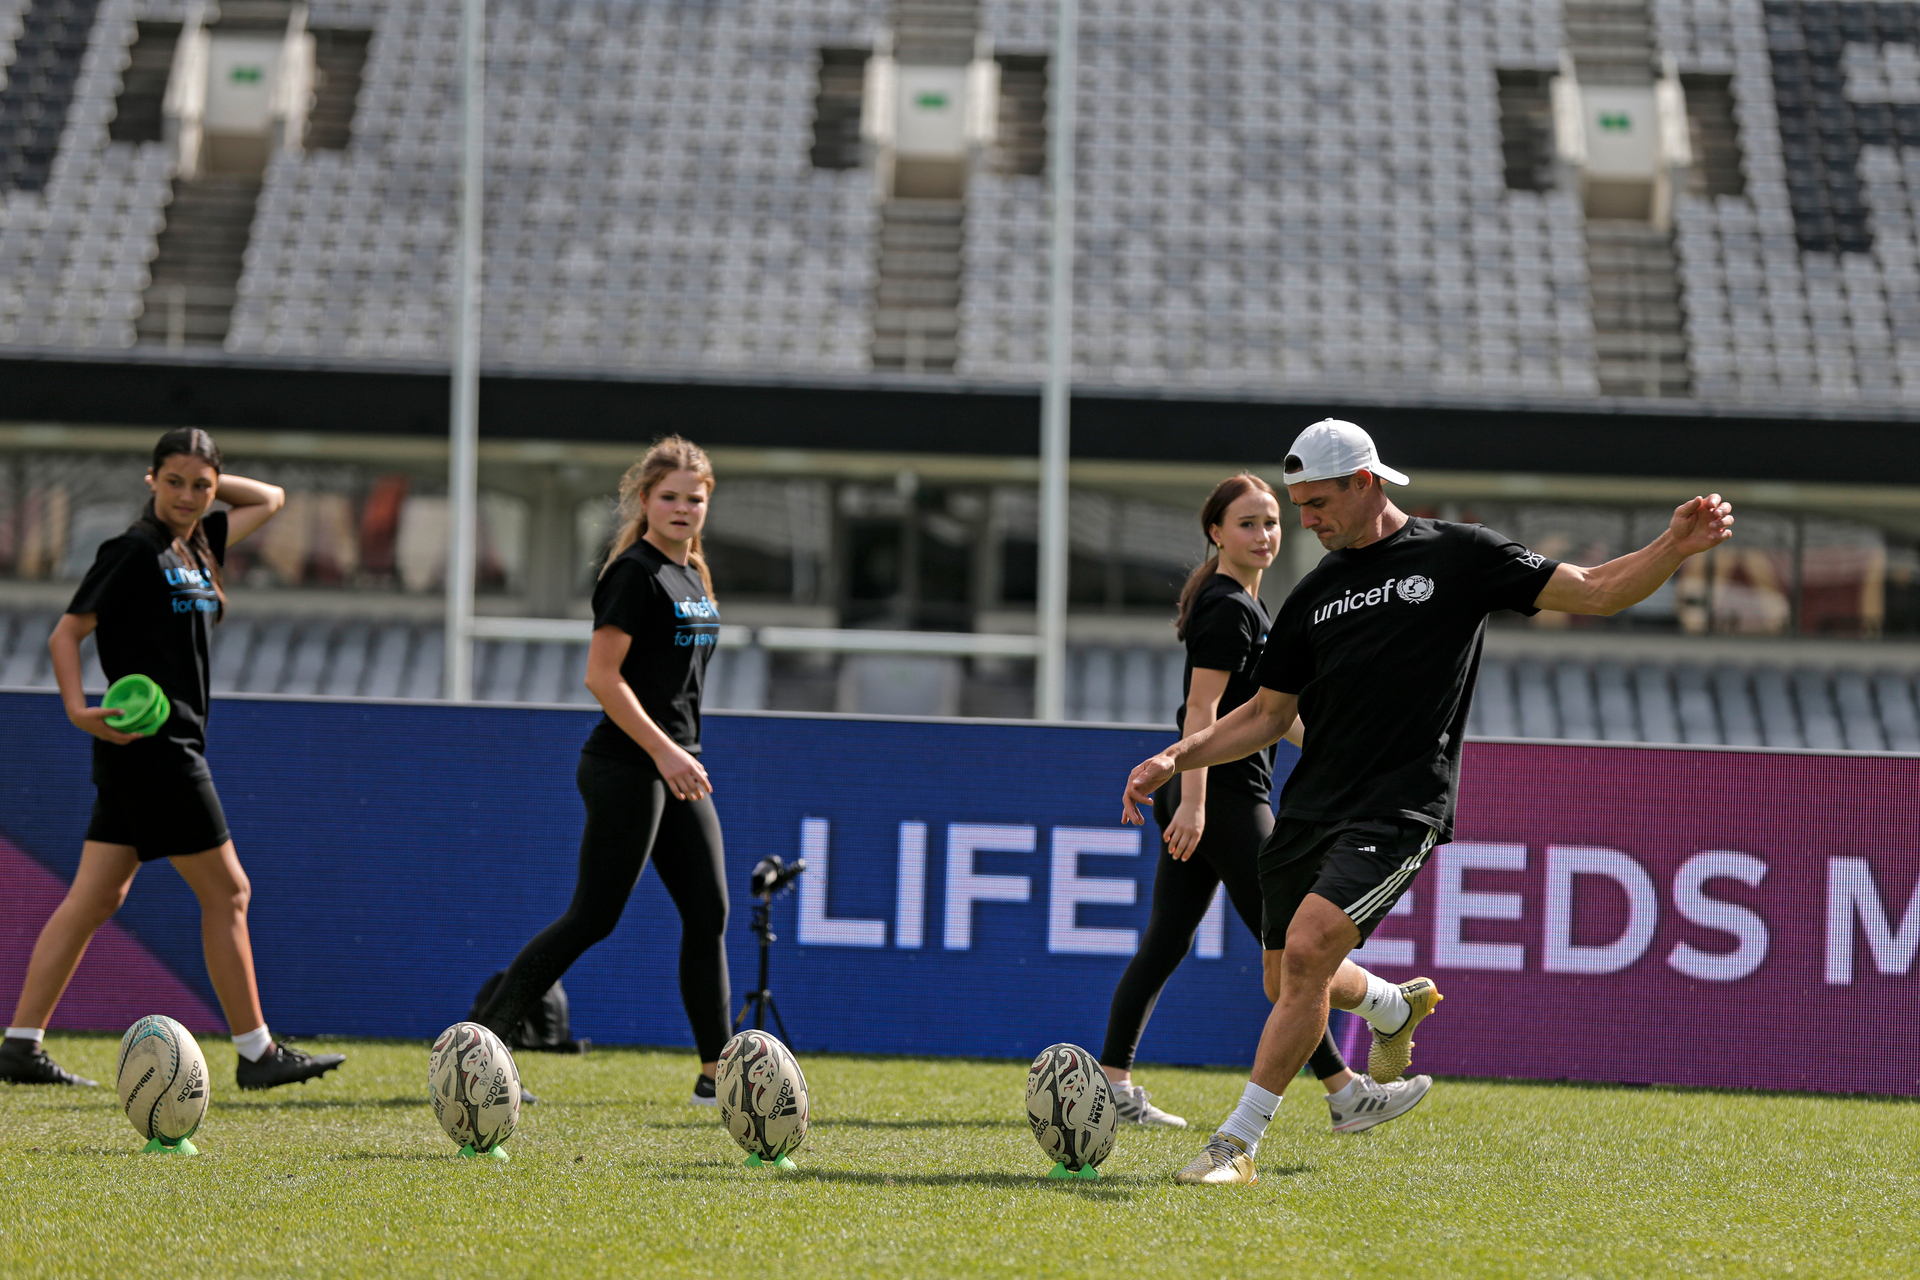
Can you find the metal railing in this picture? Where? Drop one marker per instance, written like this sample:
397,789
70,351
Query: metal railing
955,644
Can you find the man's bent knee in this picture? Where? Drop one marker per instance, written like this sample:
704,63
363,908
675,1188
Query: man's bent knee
1271,963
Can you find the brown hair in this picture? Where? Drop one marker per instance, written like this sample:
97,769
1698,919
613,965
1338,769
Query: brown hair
1212,512
667,455
189,442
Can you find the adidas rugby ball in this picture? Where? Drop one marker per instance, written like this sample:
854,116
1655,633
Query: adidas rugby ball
1070,1106
474,1086
763,1095
163,1080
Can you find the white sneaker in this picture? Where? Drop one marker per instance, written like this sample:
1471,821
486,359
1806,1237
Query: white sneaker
1370,1103
1131,1105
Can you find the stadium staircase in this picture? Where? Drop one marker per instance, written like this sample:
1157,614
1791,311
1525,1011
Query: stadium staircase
137,113
196,273
1640,344
916,313
1021,144
916,301
339,62
935,32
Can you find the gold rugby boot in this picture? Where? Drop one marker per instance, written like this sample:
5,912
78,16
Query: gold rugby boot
1391,1055
1223,1160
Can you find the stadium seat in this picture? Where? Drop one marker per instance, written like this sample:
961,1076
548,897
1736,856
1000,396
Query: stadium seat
1242,226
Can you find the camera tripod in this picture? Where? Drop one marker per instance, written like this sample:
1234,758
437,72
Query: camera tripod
760,1001
771,877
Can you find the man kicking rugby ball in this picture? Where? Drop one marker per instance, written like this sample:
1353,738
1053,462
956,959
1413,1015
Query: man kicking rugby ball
1376,651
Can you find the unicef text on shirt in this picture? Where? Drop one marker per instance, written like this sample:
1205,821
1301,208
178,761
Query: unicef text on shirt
701,608
1413,590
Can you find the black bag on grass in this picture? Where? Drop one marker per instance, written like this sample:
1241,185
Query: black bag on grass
547,1029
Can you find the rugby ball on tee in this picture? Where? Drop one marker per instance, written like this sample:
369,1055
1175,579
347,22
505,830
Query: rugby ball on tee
1070,1106
474,1086
162,1077
763,1095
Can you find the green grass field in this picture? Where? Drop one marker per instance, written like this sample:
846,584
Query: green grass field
924,1167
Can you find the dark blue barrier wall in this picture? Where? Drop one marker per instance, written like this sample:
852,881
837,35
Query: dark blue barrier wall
401,853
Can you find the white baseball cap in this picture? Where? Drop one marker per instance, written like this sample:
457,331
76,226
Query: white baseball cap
1331,448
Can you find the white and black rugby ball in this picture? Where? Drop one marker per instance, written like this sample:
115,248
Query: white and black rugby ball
162,1077
1070,1106
474,1086
763,1095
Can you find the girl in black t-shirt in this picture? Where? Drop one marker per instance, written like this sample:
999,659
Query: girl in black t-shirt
151,600
1212,821
646,792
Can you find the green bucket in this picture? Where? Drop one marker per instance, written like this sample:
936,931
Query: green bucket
142,705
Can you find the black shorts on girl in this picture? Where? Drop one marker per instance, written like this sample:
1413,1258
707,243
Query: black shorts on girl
1361,866
160,815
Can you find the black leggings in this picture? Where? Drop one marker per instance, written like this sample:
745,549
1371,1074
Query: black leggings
630,814
1237,825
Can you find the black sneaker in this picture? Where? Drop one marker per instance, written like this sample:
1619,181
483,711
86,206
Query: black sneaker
280,1065
24,1061
704,1094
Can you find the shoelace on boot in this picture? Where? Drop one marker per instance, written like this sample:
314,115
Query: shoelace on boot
1222,1151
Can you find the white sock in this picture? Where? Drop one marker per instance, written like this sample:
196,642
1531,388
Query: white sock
35,1034
1248,1121
1344,1092
255,1043
1384,1006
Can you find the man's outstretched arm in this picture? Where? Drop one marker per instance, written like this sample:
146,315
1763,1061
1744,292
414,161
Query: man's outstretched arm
1255,723
1699,524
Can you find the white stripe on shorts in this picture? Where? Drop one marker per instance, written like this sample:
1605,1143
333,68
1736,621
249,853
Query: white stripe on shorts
1388,889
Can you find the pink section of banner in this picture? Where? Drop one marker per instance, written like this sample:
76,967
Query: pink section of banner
118,981
1733,919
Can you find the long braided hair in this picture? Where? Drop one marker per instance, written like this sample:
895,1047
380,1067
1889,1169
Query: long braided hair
194,548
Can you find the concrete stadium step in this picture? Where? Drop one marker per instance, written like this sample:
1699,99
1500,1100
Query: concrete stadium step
1610,41
195,274
339,59
1638,318
935,32
916,296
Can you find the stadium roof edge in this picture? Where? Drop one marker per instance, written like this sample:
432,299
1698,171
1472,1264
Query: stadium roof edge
938,415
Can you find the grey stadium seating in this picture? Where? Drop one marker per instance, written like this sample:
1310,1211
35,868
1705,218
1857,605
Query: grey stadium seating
1271,196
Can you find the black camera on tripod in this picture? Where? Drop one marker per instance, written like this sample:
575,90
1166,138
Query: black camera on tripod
770,878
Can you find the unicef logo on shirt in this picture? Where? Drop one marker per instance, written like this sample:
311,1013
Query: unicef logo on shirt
1415,589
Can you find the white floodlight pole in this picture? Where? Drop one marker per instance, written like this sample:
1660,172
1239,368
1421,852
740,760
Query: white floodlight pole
463,472
1050,677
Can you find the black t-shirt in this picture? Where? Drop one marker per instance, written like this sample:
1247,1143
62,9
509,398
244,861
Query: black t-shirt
665,608
156,613
1382,645
1226,632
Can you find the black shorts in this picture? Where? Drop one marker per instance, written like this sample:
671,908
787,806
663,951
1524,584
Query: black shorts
1362,867
161,817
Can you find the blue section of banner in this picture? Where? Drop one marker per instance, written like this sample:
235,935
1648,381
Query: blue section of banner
972,891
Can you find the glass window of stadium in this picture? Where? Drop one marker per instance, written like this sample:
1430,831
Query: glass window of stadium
899,551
